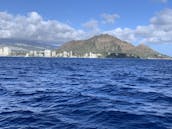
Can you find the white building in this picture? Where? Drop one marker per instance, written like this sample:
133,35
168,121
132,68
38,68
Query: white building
53,54
92,55
1,51
5,51
32,53
65,54
47,53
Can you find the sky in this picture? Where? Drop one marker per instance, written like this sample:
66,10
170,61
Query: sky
59,21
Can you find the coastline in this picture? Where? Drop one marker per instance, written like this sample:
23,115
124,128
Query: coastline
84,58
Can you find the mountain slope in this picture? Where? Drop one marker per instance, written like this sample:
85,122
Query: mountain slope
109,46
99,44
26,45
146,52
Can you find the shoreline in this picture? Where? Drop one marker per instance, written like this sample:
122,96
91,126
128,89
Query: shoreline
85,58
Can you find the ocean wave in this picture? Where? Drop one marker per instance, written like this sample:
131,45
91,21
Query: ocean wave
85,94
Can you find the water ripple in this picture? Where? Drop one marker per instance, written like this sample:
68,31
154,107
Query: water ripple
38,93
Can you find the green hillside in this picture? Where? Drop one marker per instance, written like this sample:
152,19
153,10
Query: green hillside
109,46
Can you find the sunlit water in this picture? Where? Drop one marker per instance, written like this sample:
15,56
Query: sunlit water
40,93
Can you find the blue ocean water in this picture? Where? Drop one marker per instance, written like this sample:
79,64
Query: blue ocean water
42,93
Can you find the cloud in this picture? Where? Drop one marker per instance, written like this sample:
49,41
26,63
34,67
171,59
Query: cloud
33,27
126,34
109,18
92,25
159,30
160,1
163,19
163,1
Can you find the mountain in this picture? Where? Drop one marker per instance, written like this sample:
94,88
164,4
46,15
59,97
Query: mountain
144,51
26,45
109,46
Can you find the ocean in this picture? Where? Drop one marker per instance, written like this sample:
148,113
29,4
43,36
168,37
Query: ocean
59,93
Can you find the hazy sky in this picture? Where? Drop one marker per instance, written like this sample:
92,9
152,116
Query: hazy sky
136,21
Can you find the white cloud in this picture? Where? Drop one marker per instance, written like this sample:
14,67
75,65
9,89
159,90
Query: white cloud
163,1
92,25
160,1
109,18
34,27
125,34
91,28
163,20
158,31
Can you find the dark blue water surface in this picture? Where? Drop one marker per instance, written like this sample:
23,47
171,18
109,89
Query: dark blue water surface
40,93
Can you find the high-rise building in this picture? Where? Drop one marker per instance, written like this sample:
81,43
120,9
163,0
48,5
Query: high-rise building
5,51
47,53
53,54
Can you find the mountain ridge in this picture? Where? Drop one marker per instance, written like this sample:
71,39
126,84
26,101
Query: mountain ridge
25,45
109,46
